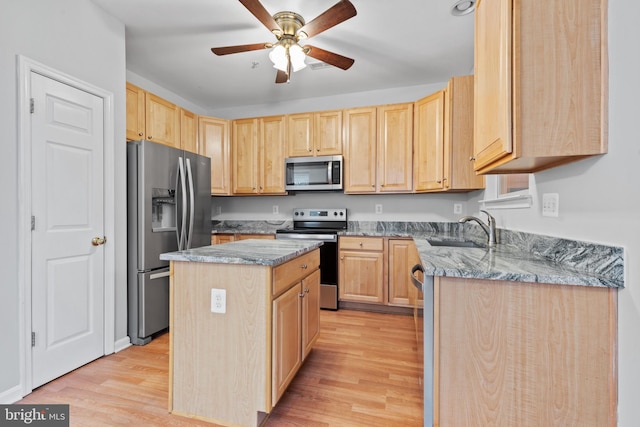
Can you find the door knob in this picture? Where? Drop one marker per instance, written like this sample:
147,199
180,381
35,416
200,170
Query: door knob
97,241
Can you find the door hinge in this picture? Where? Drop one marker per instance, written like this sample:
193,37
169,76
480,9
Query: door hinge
33,222
33,339
32,106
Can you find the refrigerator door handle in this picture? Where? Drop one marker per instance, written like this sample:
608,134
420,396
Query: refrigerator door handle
192,204
180,230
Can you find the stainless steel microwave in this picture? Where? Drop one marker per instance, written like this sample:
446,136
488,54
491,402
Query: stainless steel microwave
313,173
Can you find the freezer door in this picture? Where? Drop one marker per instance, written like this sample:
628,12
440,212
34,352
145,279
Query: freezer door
152,305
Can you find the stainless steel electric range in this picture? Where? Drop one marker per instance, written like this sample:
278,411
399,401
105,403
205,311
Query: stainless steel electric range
324,225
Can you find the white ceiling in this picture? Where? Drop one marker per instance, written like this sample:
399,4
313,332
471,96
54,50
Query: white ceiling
394,44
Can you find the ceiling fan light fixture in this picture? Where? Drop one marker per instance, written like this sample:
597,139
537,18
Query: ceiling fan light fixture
297,56
278,56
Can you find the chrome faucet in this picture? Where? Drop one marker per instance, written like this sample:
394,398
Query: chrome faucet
490,229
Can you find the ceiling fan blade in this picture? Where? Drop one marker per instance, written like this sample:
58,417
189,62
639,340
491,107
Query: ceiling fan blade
281,77
226,50
336,14
329,57
258,10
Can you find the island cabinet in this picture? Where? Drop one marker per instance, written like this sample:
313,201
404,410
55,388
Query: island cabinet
214,142
231,368
443,140
378,149
258,153
540,84
314,134
520,354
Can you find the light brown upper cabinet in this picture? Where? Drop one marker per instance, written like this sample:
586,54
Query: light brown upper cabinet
378,149
188,131
314,134
214,142
258,152
135,113
443,140
151,117
540,84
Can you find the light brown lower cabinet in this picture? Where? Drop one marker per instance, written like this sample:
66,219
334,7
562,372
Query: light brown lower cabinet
522,354
231,368
375,270
217,239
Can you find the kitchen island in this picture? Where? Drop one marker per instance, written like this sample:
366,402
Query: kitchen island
243,317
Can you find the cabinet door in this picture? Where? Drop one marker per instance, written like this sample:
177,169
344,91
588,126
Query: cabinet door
213,142
256,236
327,133
245,156
310,311
135,113
361,276
403,255
217,239
272,154
188,131
493,78
360,150
395,148
299,135
162,121
287,335
429,143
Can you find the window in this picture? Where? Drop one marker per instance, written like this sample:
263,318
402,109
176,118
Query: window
509,191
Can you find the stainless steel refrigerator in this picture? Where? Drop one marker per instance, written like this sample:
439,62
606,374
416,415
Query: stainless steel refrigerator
168,209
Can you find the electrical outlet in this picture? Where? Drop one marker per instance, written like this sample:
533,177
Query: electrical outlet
457,208
378,209
550,204
276,209
218,301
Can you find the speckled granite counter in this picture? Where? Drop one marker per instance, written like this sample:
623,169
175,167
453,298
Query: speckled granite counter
252,251
520,257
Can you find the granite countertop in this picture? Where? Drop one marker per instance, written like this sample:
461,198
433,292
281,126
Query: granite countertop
519,257
251,251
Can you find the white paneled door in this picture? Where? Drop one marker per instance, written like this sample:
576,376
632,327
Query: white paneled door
67,183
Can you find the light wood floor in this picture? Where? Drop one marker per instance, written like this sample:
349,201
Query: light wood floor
363,371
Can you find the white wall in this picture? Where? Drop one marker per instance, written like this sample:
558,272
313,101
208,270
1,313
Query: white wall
79,39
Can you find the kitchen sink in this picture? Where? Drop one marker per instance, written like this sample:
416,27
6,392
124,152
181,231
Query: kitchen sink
455,243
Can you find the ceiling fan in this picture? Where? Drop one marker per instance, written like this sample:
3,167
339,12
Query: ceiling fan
290,28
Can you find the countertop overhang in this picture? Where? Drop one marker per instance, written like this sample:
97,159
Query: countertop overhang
250,251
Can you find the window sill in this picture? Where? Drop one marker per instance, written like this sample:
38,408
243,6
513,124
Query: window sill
516,201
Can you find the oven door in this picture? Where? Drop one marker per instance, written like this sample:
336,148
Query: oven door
328,265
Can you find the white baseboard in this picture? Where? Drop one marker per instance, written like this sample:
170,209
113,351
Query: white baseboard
10,396
121,344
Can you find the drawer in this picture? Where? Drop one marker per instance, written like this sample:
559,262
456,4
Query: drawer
362,243
293,271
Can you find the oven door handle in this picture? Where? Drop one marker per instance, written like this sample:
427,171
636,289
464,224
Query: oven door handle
300,236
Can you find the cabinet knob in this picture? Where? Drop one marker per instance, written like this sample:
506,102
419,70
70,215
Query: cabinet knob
303,266
150,137
301,295
360,244
471,159
439,181
317,149
139,133
341,258
306,291
373,185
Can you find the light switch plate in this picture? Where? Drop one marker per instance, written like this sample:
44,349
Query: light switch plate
218,301
550,204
